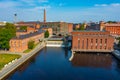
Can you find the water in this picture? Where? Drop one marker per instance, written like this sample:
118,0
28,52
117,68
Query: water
54,64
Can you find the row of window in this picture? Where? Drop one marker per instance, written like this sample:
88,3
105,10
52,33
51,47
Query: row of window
101,40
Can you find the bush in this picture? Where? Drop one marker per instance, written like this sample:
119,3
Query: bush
31,44
46,34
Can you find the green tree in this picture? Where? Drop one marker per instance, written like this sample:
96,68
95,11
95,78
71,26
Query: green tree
82,27
6,33
31,44
46,34
23,28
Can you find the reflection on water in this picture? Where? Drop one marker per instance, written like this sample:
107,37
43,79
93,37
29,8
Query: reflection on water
92,60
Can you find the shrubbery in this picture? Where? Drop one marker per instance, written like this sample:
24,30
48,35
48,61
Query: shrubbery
31,44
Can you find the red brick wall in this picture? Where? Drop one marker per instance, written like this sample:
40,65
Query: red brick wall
30,29
114,30
92,41
70,27
20,45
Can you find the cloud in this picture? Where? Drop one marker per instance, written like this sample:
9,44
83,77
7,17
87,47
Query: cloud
41,7
103,5
8,4
37,8
61,4
110,5
115,4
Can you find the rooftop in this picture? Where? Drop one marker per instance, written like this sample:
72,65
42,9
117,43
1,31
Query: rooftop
88,31
28,35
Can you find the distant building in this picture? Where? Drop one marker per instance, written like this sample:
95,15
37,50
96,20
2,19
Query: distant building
33,24
113,28
3,23
20,43
92,41
58,27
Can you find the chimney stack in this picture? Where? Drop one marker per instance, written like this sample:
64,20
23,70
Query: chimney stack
44,16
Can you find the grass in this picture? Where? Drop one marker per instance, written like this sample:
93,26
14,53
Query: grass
28,50
6,58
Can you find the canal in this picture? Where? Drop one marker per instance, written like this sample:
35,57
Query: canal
54,64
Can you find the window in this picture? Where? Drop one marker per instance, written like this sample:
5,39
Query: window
78,43
82,43
96,40
100,47
87,44
91,40
105,40
100,40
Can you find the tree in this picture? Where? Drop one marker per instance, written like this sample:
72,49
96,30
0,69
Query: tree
6,33
46,34
82,27
23,28
31,44
111,22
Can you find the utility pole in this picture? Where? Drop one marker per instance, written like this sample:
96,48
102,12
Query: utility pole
15,18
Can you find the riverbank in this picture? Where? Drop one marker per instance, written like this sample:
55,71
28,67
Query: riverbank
7,70
6,59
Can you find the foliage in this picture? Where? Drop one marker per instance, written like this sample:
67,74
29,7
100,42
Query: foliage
6,33
28,50
111,22
6,58
82,27
23,28
46,34
31,44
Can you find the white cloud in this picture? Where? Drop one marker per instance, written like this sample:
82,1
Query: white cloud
61,4
42,7
8,4
105,5
102,5
115,4
39,8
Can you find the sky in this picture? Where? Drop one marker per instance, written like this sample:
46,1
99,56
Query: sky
74,11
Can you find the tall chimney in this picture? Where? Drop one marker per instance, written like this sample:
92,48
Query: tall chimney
44,16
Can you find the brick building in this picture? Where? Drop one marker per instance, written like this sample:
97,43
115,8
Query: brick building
58,27
92,41
20,43
34,24
114,29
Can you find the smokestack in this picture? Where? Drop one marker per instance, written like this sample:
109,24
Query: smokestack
44,16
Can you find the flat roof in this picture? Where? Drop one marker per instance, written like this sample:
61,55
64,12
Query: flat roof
88,31
28,35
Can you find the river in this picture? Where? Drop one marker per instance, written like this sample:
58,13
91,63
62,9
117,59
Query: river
54,64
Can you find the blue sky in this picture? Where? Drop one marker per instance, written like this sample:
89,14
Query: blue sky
60,10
